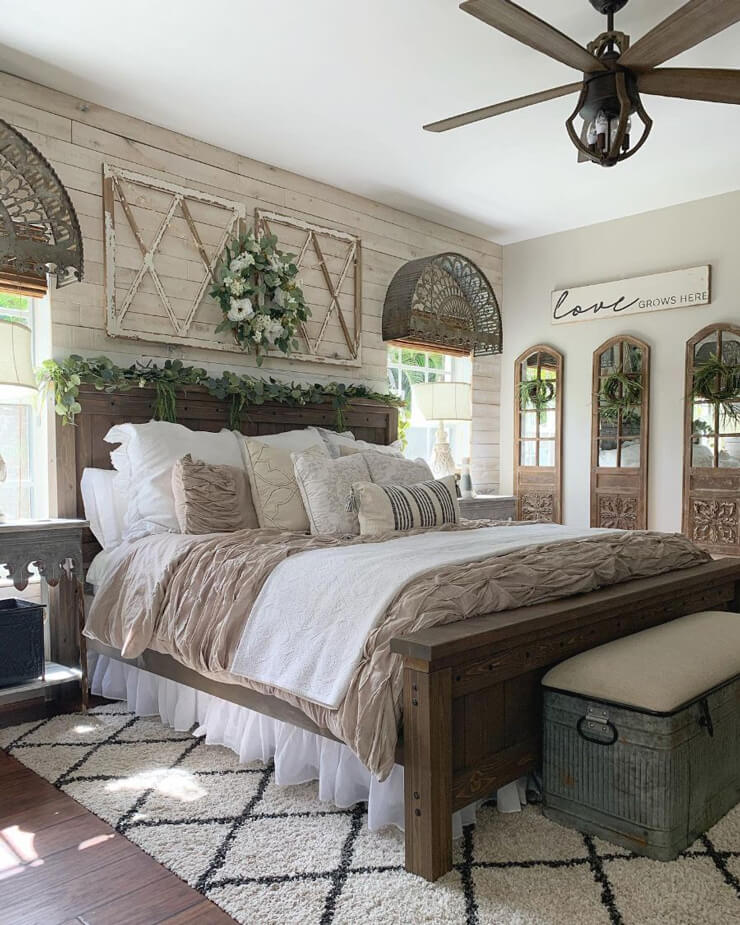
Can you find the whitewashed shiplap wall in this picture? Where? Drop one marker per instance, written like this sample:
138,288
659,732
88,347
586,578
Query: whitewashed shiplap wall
78,136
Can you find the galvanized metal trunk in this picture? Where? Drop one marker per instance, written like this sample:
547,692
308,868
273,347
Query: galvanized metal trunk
651,783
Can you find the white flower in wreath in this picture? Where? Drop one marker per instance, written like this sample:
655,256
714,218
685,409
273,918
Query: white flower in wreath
274,330
276,263
279,298
252,244
235,285
242,262
240,310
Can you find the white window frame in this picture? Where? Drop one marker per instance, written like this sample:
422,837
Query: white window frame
457,369
38,318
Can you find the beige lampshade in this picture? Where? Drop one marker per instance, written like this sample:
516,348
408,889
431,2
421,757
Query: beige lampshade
443,401
16,368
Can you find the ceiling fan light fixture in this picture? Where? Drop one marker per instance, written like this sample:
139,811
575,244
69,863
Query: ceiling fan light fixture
615,73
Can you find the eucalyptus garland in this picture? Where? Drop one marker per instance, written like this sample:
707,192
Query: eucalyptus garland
65,379
619,392
719,383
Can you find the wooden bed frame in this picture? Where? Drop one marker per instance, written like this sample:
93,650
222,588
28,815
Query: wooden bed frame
472,701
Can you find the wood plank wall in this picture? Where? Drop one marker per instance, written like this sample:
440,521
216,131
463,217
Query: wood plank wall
77,136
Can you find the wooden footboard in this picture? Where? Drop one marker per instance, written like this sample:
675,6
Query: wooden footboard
472,698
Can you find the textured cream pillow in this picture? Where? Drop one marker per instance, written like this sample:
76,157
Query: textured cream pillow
386,469
211,498
275,492
381,508
362,446
334,441
326,488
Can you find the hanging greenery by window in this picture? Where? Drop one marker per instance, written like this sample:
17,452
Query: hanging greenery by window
619,392
718,382
537,394
65,379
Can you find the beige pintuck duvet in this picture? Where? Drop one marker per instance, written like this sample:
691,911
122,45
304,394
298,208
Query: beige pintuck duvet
190,597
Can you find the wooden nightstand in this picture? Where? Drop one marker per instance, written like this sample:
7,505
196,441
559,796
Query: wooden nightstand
488,507
54,546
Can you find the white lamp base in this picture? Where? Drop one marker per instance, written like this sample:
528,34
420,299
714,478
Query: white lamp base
442,463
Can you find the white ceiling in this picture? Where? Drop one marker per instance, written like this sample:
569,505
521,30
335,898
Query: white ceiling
338,90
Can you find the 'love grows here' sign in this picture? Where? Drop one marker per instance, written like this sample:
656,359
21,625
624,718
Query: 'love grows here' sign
676,289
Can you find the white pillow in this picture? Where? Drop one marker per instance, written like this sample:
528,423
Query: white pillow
295,441
145,460
105,506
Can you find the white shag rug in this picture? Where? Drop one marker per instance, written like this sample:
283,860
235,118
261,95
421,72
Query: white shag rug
277,855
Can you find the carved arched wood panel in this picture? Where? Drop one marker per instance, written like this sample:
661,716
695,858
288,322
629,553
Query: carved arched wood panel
619,434
538,426
711,482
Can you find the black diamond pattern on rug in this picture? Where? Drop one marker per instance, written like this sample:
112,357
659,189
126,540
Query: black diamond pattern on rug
278,855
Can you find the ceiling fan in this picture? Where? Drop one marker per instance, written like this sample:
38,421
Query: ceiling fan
615,73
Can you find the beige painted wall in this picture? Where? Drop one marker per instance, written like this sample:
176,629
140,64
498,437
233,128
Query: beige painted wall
695,233
77,137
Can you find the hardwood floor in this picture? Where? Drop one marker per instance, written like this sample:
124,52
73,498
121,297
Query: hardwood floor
61,865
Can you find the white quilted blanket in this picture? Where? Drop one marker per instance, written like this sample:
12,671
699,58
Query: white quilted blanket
308,626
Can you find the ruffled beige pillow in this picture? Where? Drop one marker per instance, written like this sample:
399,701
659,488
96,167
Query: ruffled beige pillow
210,498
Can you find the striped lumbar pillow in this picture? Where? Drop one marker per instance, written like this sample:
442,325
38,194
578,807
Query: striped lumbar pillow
381,508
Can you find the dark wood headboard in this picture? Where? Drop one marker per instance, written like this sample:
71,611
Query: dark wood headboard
81,446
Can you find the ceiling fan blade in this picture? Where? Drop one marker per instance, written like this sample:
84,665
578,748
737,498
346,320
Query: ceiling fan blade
485,112
525,27
692,83
694,22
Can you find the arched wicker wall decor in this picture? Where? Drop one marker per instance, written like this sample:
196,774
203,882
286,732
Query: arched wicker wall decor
619,434
538,426
711,462
39,231
443,303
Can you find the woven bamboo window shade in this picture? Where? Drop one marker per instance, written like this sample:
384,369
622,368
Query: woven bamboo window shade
443,303
39,231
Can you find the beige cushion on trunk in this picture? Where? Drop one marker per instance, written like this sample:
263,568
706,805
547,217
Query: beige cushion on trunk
657,669
211,498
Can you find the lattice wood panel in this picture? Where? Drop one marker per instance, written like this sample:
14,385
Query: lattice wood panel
330,274
162,244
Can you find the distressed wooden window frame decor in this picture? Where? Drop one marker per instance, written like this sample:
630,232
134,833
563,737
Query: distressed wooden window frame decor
711,494
538,488
113,191
619,494
349,318
443,303
39,230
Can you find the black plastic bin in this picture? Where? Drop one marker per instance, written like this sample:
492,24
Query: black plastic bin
21,641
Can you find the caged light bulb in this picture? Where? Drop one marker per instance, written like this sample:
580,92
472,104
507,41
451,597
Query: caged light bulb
591,135
602,129
627,133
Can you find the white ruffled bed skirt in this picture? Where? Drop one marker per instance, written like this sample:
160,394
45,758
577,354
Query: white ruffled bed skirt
299,756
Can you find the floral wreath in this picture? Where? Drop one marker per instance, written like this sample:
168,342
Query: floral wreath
259,296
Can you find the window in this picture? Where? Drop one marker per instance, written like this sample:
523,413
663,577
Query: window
406,367
24,492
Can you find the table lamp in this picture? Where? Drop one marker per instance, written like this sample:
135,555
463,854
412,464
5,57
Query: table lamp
443,401
16,369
